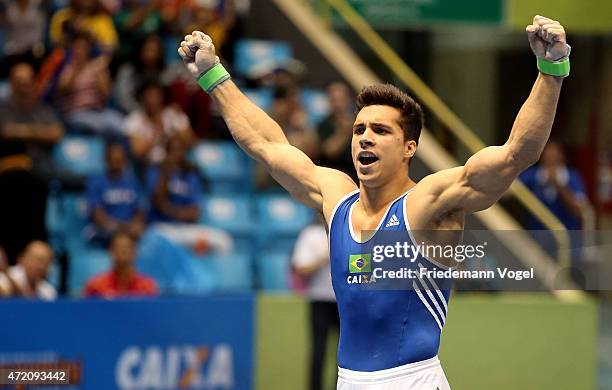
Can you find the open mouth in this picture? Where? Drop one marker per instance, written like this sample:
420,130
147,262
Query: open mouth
367,158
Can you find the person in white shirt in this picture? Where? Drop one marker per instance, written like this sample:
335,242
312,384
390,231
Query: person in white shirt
152,126
311,261
28,277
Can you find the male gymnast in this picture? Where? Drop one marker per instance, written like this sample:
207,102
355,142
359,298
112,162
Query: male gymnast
389,338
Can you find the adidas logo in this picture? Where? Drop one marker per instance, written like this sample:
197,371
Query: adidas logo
393,221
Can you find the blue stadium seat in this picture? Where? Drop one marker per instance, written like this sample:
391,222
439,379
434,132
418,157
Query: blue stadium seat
224,165
80,154
54,275
233,273
279,221
4,88
84,264
75,219
263,98
252,55
55,222
280,214
176,269
245,243
200,278
273,271
316,104
231,213
169,46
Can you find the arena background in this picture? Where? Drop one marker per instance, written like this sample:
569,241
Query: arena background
236,321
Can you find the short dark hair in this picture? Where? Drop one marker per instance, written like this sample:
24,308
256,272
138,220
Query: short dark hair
411,119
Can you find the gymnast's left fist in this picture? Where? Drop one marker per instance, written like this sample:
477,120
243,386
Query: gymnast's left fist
198,53
547,39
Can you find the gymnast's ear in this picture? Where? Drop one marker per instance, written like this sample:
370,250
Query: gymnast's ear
410,148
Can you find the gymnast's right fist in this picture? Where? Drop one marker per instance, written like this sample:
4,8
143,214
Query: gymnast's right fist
198,53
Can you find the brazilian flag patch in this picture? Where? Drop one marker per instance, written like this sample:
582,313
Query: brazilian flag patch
360,263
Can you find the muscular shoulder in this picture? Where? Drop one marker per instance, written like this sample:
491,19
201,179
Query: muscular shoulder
425,204
335,185
435,183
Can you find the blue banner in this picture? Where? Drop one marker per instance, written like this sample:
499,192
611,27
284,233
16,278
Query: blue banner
199,343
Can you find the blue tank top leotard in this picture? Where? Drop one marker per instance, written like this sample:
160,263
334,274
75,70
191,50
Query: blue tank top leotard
382,328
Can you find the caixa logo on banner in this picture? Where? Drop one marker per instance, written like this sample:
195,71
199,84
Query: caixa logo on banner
171,367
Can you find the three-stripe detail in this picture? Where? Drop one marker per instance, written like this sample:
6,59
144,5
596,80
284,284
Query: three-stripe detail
433,299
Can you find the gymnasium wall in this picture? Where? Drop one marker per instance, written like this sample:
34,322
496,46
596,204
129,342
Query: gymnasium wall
579,16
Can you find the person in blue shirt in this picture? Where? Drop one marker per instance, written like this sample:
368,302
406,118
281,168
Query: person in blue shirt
176,195
558,186
174,187
114,198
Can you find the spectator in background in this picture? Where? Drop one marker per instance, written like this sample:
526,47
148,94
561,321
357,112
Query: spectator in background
175,187
171,11
206,15
83,16
29,126
136,20
288,111
28,277
150,128
311,261
23,199
558,186
336,130
149,64
176,195
82,91
123,279
24,25
114,198
112,7
24,119
5,290
212,16
279,74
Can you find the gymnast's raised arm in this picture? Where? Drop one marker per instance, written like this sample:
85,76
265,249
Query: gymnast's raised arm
260,136
487,174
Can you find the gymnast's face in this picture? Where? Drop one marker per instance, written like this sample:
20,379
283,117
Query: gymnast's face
378,148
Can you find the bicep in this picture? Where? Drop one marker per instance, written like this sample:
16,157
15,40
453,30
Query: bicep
478,184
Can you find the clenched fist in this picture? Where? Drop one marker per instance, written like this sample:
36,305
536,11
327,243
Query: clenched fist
198,53
547,39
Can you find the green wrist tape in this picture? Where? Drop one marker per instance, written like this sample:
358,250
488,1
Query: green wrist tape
214,76
557,68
